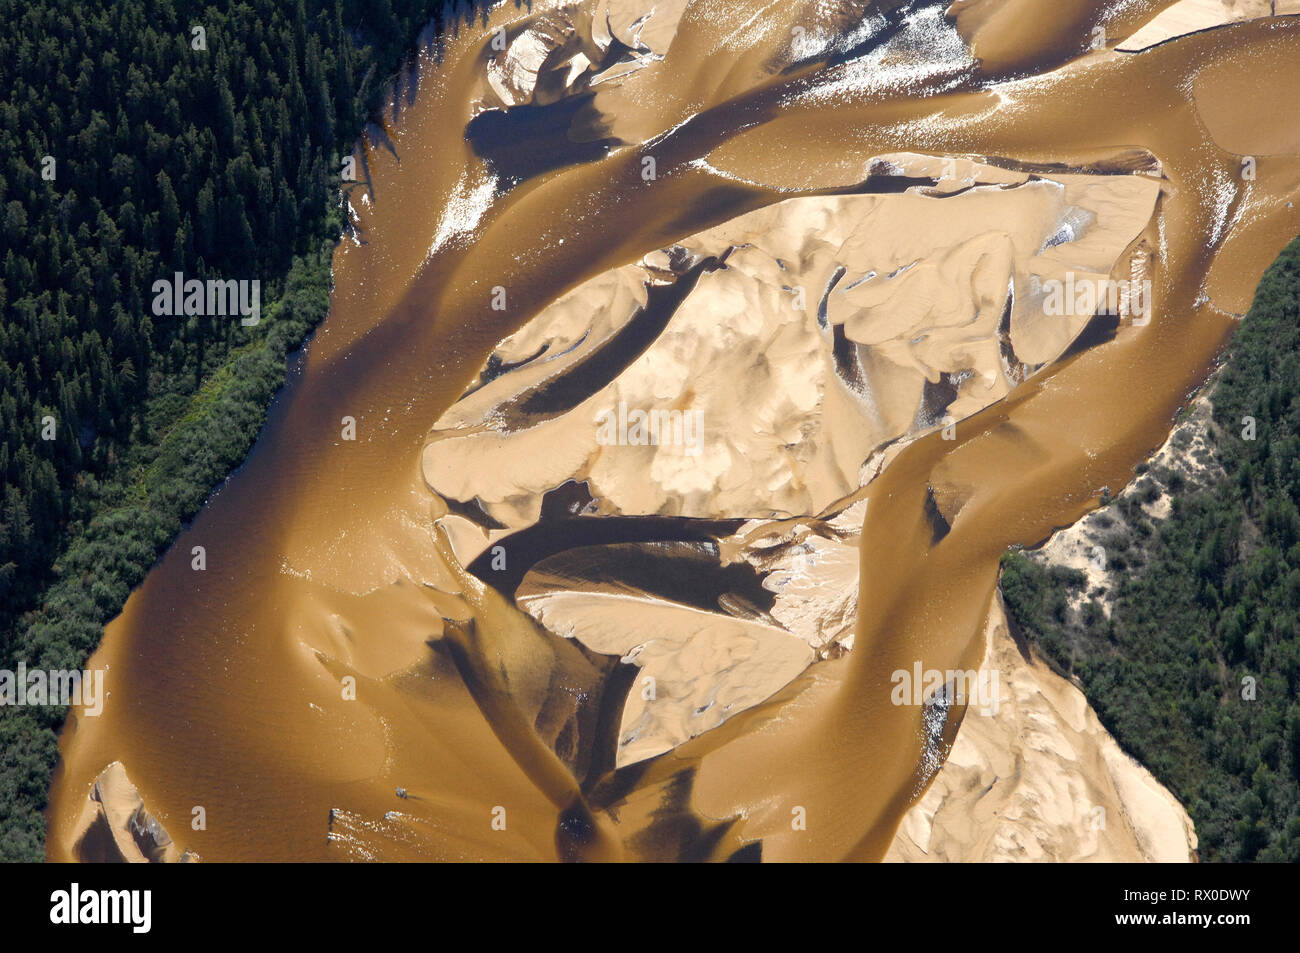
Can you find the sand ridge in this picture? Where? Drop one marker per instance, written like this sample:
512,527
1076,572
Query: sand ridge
817,332
1189,16
1041,780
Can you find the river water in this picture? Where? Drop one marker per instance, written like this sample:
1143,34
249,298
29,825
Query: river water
227,687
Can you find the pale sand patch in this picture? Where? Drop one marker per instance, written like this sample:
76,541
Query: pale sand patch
1027,783
916,285
698,667
826,333
1189,16
570,48
115,827
1067,763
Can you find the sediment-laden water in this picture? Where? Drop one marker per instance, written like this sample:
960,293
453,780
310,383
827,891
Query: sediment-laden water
502,181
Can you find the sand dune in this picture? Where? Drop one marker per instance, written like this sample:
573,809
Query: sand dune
871,317
1066,764
115,826
572,48
1040,781
1188,16
788,350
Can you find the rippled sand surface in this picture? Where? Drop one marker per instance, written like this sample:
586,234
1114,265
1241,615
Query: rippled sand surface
496,626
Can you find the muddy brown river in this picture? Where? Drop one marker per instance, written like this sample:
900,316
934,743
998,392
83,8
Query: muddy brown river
335,651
